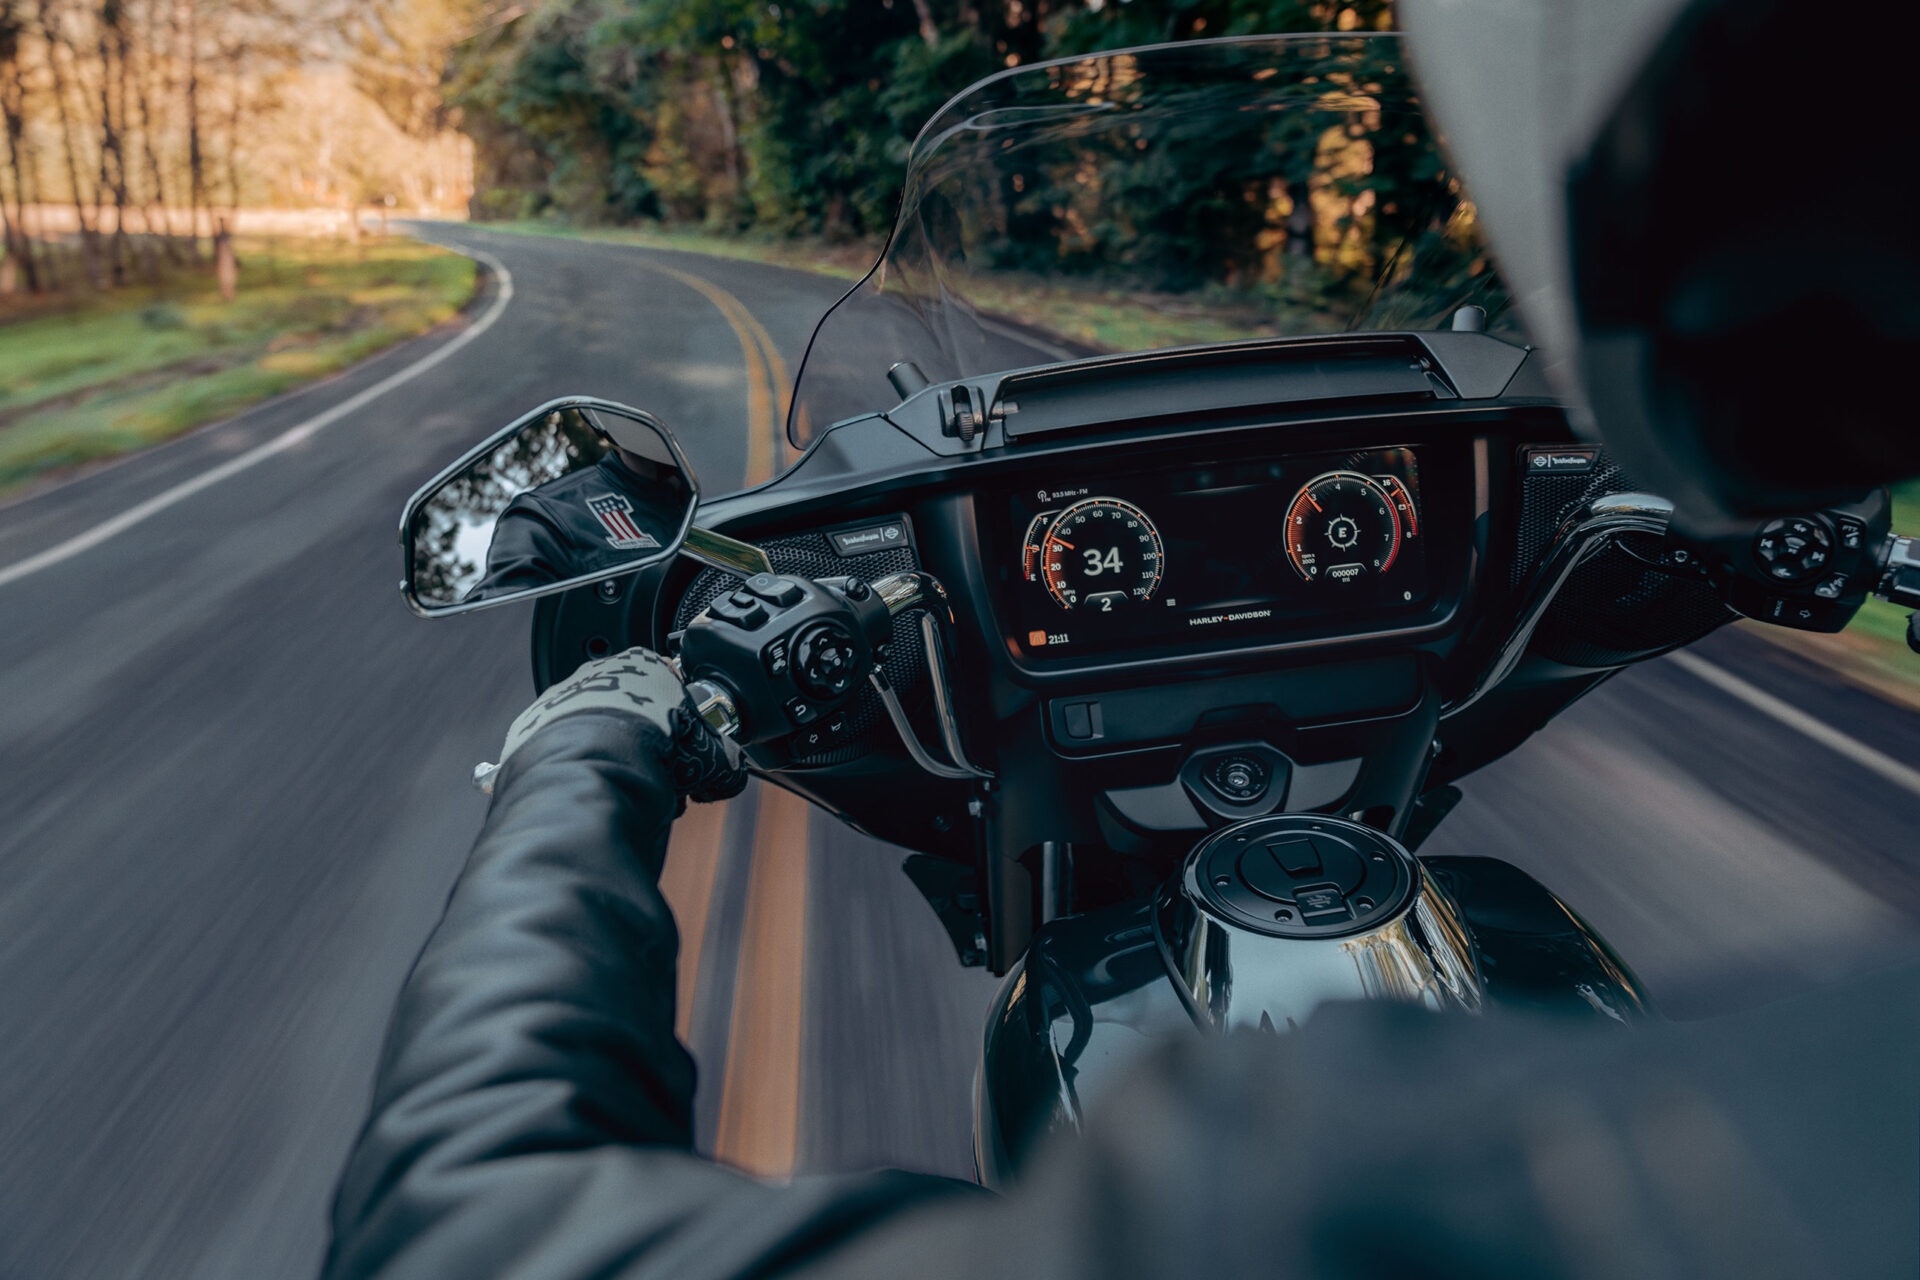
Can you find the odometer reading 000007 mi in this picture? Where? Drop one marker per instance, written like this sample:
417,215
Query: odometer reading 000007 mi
1102,553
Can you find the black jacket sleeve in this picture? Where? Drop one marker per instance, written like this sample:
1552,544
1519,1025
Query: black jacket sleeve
532,1110
531,548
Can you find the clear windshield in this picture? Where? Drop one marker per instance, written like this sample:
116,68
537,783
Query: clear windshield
1208,191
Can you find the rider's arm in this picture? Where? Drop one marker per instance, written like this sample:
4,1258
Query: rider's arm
528,549
532,1111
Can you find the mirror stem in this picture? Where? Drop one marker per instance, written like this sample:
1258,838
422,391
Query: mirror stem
718,551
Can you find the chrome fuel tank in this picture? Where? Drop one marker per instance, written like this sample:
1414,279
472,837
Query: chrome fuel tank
1268,920
1274,917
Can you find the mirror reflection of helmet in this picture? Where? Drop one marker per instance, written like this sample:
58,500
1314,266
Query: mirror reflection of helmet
644,435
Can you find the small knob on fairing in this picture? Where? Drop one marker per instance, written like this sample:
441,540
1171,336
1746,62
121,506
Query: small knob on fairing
965,425
907,378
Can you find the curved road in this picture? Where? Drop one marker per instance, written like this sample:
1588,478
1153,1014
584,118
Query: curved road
234,797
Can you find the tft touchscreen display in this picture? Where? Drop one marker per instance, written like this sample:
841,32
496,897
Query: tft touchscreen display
1152,558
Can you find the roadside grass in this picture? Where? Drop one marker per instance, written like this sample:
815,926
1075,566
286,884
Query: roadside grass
847,262
118,372
1106,319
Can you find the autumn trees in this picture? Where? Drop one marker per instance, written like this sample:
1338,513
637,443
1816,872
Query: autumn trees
108,112
130,128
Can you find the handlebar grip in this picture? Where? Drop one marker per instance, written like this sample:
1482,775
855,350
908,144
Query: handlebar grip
715,706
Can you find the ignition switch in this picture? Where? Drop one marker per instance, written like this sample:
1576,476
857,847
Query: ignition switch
1241,779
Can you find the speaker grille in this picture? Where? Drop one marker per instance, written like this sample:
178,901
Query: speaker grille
1547,500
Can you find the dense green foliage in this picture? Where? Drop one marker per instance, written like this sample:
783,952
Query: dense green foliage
787,115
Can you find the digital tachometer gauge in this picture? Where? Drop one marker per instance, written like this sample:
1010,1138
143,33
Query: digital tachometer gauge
1342,527
1101,554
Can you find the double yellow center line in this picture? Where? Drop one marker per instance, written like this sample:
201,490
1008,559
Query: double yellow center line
769,387
759,1114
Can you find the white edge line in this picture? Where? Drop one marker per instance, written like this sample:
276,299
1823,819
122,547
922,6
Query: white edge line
1826,735
279,444
1039,344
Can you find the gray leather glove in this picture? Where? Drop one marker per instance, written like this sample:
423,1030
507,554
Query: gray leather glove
639,683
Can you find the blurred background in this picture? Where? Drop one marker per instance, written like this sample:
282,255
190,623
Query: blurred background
268,265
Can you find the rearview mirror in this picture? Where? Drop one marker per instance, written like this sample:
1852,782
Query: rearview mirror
578,490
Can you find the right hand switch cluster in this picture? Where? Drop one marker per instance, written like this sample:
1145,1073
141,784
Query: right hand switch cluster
1810,572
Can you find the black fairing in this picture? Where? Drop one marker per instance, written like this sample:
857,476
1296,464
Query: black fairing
1534,952
1397,696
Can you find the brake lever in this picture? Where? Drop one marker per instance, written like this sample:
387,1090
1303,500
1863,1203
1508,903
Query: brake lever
1900,581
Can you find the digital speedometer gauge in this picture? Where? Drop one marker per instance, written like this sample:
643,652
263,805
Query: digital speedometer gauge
1101,553
1342,527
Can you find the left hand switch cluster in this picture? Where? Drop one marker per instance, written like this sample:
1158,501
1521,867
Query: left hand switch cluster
762,595
786,649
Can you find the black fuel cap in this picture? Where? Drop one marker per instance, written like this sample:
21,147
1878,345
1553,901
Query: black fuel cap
1302,875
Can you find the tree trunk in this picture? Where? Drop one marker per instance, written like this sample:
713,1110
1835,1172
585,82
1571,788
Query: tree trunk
225,266
233,133
196,160
929,29
722,85
10,243
43,275
113,161
157,197
89,244
1300,221
13,110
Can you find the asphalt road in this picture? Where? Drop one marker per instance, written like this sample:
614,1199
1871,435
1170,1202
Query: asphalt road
234,797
